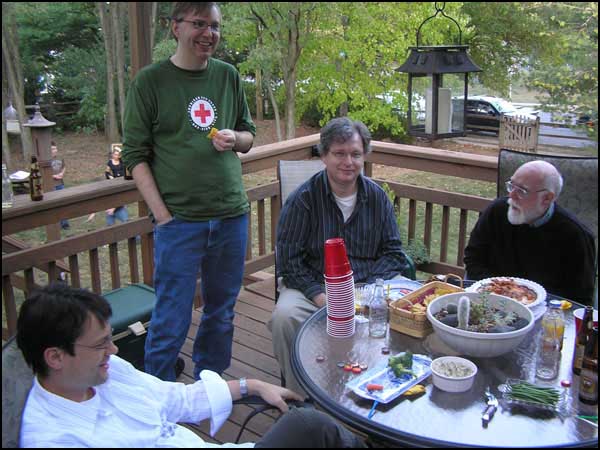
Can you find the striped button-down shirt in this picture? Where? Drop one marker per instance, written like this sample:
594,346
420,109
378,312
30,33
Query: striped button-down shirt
311,216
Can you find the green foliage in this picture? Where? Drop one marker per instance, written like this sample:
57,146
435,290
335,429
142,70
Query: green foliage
164,49
82,78
573,80
349,52
46,30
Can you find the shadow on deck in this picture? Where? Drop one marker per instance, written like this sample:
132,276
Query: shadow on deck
252,357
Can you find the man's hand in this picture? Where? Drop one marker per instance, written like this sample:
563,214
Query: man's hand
273,395
320,300
110,211
224,140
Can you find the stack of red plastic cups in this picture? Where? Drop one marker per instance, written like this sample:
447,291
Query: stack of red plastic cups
339,289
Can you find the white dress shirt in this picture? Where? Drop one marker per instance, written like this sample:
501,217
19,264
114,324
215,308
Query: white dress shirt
132,409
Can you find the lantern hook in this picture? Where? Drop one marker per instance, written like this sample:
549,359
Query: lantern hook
437,11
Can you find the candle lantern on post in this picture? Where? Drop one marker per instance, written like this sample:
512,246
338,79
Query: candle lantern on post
41,137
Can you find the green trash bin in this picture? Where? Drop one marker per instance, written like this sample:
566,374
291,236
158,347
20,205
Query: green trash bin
132,308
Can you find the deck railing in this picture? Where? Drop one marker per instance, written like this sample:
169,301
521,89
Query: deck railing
130,258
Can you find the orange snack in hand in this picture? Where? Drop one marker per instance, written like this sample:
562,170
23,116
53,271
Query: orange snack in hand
212,133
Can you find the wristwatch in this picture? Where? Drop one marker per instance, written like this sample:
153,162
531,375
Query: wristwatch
243,387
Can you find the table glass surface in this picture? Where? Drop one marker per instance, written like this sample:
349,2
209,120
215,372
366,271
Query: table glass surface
439,418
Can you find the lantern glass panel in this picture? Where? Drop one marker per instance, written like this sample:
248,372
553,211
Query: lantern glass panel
455,83
420,85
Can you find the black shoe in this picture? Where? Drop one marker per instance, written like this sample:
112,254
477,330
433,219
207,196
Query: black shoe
65,226
179,366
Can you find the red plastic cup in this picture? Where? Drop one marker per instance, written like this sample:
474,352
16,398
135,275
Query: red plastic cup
336,259
578,314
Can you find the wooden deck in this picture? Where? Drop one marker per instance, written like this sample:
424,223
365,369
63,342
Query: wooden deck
252,357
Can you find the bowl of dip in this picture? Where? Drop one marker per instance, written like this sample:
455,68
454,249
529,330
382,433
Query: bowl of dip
453,374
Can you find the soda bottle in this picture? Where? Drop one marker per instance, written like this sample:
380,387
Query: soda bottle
378,312
7,192
584,333
35,181
549,348
588,380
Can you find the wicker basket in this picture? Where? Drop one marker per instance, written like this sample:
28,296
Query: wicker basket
416,324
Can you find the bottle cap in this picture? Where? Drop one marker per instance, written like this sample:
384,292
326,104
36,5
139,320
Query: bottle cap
555,304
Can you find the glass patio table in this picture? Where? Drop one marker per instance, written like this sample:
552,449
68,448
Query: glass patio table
438,418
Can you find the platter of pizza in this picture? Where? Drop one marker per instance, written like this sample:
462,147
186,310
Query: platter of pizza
526,292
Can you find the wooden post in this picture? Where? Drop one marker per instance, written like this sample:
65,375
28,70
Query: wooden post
140,17
140,29
41,136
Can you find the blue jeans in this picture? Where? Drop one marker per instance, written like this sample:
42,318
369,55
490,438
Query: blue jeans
64,223
120,213
216,249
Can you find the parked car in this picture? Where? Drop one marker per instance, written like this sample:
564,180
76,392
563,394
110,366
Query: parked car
484,112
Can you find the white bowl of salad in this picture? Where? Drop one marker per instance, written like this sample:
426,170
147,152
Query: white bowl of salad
453,374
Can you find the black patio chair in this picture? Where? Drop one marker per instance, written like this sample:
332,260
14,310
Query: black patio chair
17,379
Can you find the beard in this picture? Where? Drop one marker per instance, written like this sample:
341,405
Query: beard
515,216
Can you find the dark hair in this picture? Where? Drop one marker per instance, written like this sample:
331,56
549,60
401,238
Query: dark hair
55,316
341,130
180,9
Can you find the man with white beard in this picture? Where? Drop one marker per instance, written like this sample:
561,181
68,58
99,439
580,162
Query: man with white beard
528,235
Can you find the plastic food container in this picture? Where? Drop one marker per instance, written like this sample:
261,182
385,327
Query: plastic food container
445,381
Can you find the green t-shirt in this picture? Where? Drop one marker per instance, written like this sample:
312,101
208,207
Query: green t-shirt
168,115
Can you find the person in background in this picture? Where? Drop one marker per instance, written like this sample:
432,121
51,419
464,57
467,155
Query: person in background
528,235
83,395
58,174
115,169
336,202
185,120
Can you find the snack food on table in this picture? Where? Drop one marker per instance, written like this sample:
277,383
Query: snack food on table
510,288
419,304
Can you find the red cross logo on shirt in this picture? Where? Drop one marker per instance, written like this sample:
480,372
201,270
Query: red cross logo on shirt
202,113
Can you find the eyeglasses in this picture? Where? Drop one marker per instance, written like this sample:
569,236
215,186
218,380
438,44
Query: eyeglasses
342,156
201,25
103,345
520,191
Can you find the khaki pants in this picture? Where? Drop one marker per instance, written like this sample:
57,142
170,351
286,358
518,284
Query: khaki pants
291,311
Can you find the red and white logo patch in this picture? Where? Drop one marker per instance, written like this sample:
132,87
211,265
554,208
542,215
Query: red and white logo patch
202,113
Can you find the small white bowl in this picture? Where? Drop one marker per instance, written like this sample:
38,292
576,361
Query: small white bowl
453,384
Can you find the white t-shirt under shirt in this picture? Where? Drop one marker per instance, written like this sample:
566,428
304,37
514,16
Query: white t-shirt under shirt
346,205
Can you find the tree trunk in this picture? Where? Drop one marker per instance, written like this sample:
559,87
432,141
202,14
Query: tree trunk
12,63
290,73
290,105
112,132
119,14
258,86
5,101
275,107
153,24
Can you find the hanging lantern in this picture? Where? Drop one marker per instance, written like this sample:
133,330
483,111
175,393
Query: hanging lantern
438,78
